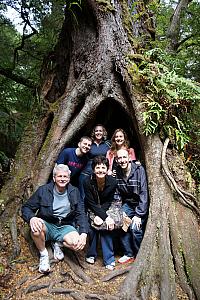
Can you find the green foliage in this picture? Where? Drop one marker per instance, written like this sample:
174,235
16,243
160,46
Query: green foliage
186,60
170,99
18,102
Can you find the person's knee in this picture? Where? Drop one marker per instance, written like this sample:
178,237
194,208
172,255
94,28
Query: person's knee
38,233
71,239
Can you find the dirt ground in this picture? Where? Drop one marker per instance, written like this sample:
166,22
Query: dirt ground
20,279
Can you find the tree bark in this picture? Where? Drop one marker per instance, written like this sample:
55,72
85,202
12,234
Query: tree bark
173,33
90,83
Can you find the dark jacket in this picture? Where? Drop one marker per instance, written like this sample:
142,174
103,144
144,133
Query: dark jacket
40,204
133,189
96,201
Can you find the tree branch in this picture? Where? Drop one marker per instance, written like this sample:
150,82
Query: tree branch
184,40
17,78
25,18
173,32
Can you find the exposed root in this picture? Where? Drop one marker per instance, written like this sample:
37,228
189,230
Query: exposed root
72,276
33,288
14,234
2,240
179,191
72,262
178,259
77,295
115,274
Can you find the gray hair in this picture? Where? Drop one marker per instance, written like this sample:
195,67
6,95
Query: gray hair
61,167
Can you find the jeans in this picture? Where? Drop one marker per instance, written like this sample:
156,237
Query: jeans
82,178
131,239
106,245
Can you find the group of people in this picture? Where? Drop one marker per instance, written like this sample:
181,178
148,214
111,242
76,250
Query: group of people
89,178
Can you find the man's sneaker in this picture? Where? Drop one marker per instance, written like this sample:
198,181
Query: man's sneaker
44,266
57,252
126,259
90,260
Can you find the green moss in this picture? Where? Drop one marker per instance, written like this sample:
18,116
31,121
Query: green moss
105,5
127,21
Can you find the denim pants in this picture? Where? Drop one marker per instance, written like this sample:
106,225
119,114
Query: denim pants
131,239
106,245
82,178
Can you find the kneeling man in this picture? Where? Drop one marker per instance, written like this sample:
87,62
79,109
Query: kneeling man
54,214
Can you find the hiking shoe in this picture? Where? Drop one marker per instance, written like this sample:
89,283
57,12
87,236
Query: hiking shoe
57,251
90,260
126,259
44,266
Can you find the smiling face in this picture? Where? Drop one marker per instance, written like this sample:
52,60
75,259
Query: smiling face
98,133
61,179
100,170
119,139
123,158
84,146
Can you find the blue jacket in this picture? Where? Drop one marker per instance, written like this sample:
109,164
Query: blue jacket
40,204
133,189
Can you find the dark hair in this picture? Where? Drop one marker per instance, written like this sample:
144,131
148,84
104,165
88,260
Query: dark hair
85,138
100,159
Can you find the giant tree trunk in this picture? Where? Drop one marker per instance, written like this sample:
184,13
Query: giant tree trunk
89,83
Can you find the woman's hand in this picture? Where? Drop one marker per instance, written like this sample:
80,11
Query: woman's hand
112,172
98,221
109,172
136,222
110,223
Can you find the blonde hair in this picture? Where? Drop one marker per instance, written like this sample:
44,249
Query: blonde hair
104,132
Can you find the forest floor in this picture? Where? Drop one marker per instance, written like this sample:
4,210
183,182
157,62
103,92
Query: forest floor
71,278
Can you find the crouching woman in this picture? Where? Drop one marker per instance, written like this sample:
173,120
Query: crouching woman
99,194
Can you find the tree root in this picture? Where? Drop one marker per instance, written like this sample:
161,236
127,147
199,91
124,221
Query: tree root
13,229
33,288
76,279
2,240
78,295
179,259
75,294
179,191
115,274
71,260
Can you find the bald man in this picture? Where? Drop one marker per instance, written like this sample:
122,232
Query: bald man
132,186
